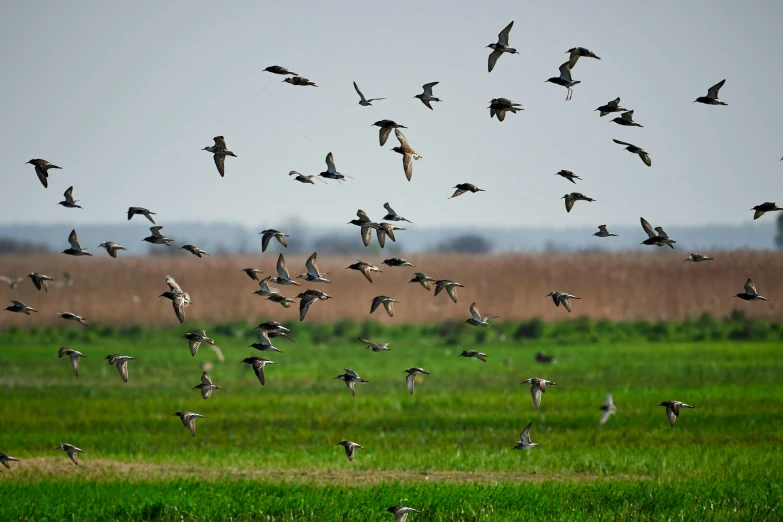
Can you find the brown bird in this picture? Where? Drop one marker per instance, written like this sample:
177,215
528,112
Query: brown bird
73,355
112,247
251,273
272,233
139,211
188,419
39,280
307,298
350,447
386,229
408,154
196,251
42,170
258,363
387,302
20,307
68,316
365,268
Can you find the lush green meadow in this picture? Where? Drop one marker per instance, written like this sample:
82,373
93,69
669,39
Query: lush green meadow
268,453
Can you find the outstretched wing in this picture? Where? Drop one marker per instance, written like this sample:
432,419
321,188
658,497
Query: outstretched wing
647,228
503,35
411,379
359,92
330,168
74,241
474,311
282,270
172,284
750,288
493,59
713,91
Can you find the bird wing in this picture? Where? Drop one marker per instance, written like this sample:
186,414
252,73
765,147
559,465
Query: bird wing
205,378
282,270
501,114
259,370
428,88
566,303
623,143
458,192
524,437
407,165
609,402
156,231
366,232
503,35
304,305
410,379
359,92
661,233
383,134
535,391
645,158
401,137
74,241
191,420
569,204
381,233
179,308
206,393
220,142
627,116
750,288
389,209
565,71
602,228
193,345
713,91
493,59
330,168
312,269
389,306
42,176
172,284
220,161
605,416
614,103
366,272
474,311
73,456
452,291
647,228
671,414
69,195
122,367
362,215
75,363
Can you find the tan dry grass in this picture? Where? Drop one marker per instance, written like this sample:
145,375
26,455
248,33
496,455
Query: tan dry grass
651,284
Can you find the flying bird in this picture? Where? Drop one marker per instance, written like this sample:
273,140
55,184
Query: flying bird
712,95
473,353
195,338
272,233
331,170
608,408
71,450
391,215
5,459
476,318
76,249
563,298
121,361
68,316
350,448
449,286
366,226
375,347
279,69
611,106
20,308
188,419
252,273
426,97
626,119
401,512
193,249
364,102
768,206
258,363
500,47
364,267
572,198
602,232
408,154
750,293
305,179
300,81
397,261
567,174
112,247
499,106
524,441
39,280
179,298
673,410
465,187
350,378
423,279
580,52
656,237
313,275
386,229
386,127
537,387
633,149
307,298
73,355
565,80
69,201
156,238
282,273
206,386
42,170
698,258
387,302
139,211
410,379
219,152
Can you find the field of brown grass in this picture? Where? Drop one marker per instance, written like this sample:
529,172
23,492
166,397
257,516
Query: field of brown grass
650,284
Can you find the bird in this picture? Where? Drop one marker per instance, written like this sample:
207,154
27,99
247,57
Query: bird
112,247
206,386
408,154
656,237
476,318
524,441
500,47
698,258
350,378
465,187
195,338
602,232
426,97
712,95
768,206
386,127
423,279
580,52
411,377
179,298
565,79
76,249
449,286
673,410
69,201
73,355
542,358
299,80
71,450
282,273
139,211
750,293
608,408
219,152
350,448
537,387
12,282
20,307
499,106
567,174
265,290
391,215
611,106
386,229
42,170
157,238
563,298
251,273
274,329
264,344
305,179
387,302
626,119
473,353
397,261
278,69
633,149
313,275
193,249
270,233
284,301
364,267
401,512
364,102
68,316
572,198
307,298
39,280
5,459
188,419
121,361
258,363
331,170
375,347
366,226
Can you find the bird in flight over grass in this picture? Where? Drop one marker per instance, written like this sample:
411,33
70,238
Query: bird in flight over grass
71,450
68,316
524,441
73,355
608,409
121,361
195,338
410,379
387,302
750,293
449,286
350,378
20,308
673,410
206,386
76,249
258,363
477,319
188,419
473,353
563,298
537,387
350,448
375,347
5,459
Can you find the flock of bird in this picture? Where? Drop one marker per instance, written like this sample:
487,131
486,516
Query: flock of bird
383,229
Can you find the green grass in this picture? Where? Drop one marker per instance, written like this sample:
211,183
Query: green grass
721,460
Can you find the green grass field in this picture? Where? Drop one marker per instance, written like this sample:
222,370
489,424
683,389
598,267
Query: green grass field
268,453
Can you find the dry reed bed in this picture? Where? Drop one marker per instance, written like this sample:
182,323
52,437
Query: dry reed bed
651,284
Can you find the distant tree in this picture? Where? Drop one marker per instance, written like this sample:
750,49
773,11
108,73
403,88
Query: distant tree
779,236
14,246
466,244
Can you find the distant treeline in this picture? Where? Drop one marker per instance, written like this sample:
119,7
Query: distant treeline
580,330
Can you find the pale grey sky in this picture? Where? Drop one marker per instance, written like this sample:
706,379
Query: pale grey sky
123,96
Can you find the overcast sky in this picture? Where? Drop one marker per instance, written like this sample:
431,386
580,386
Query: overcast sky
123,95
